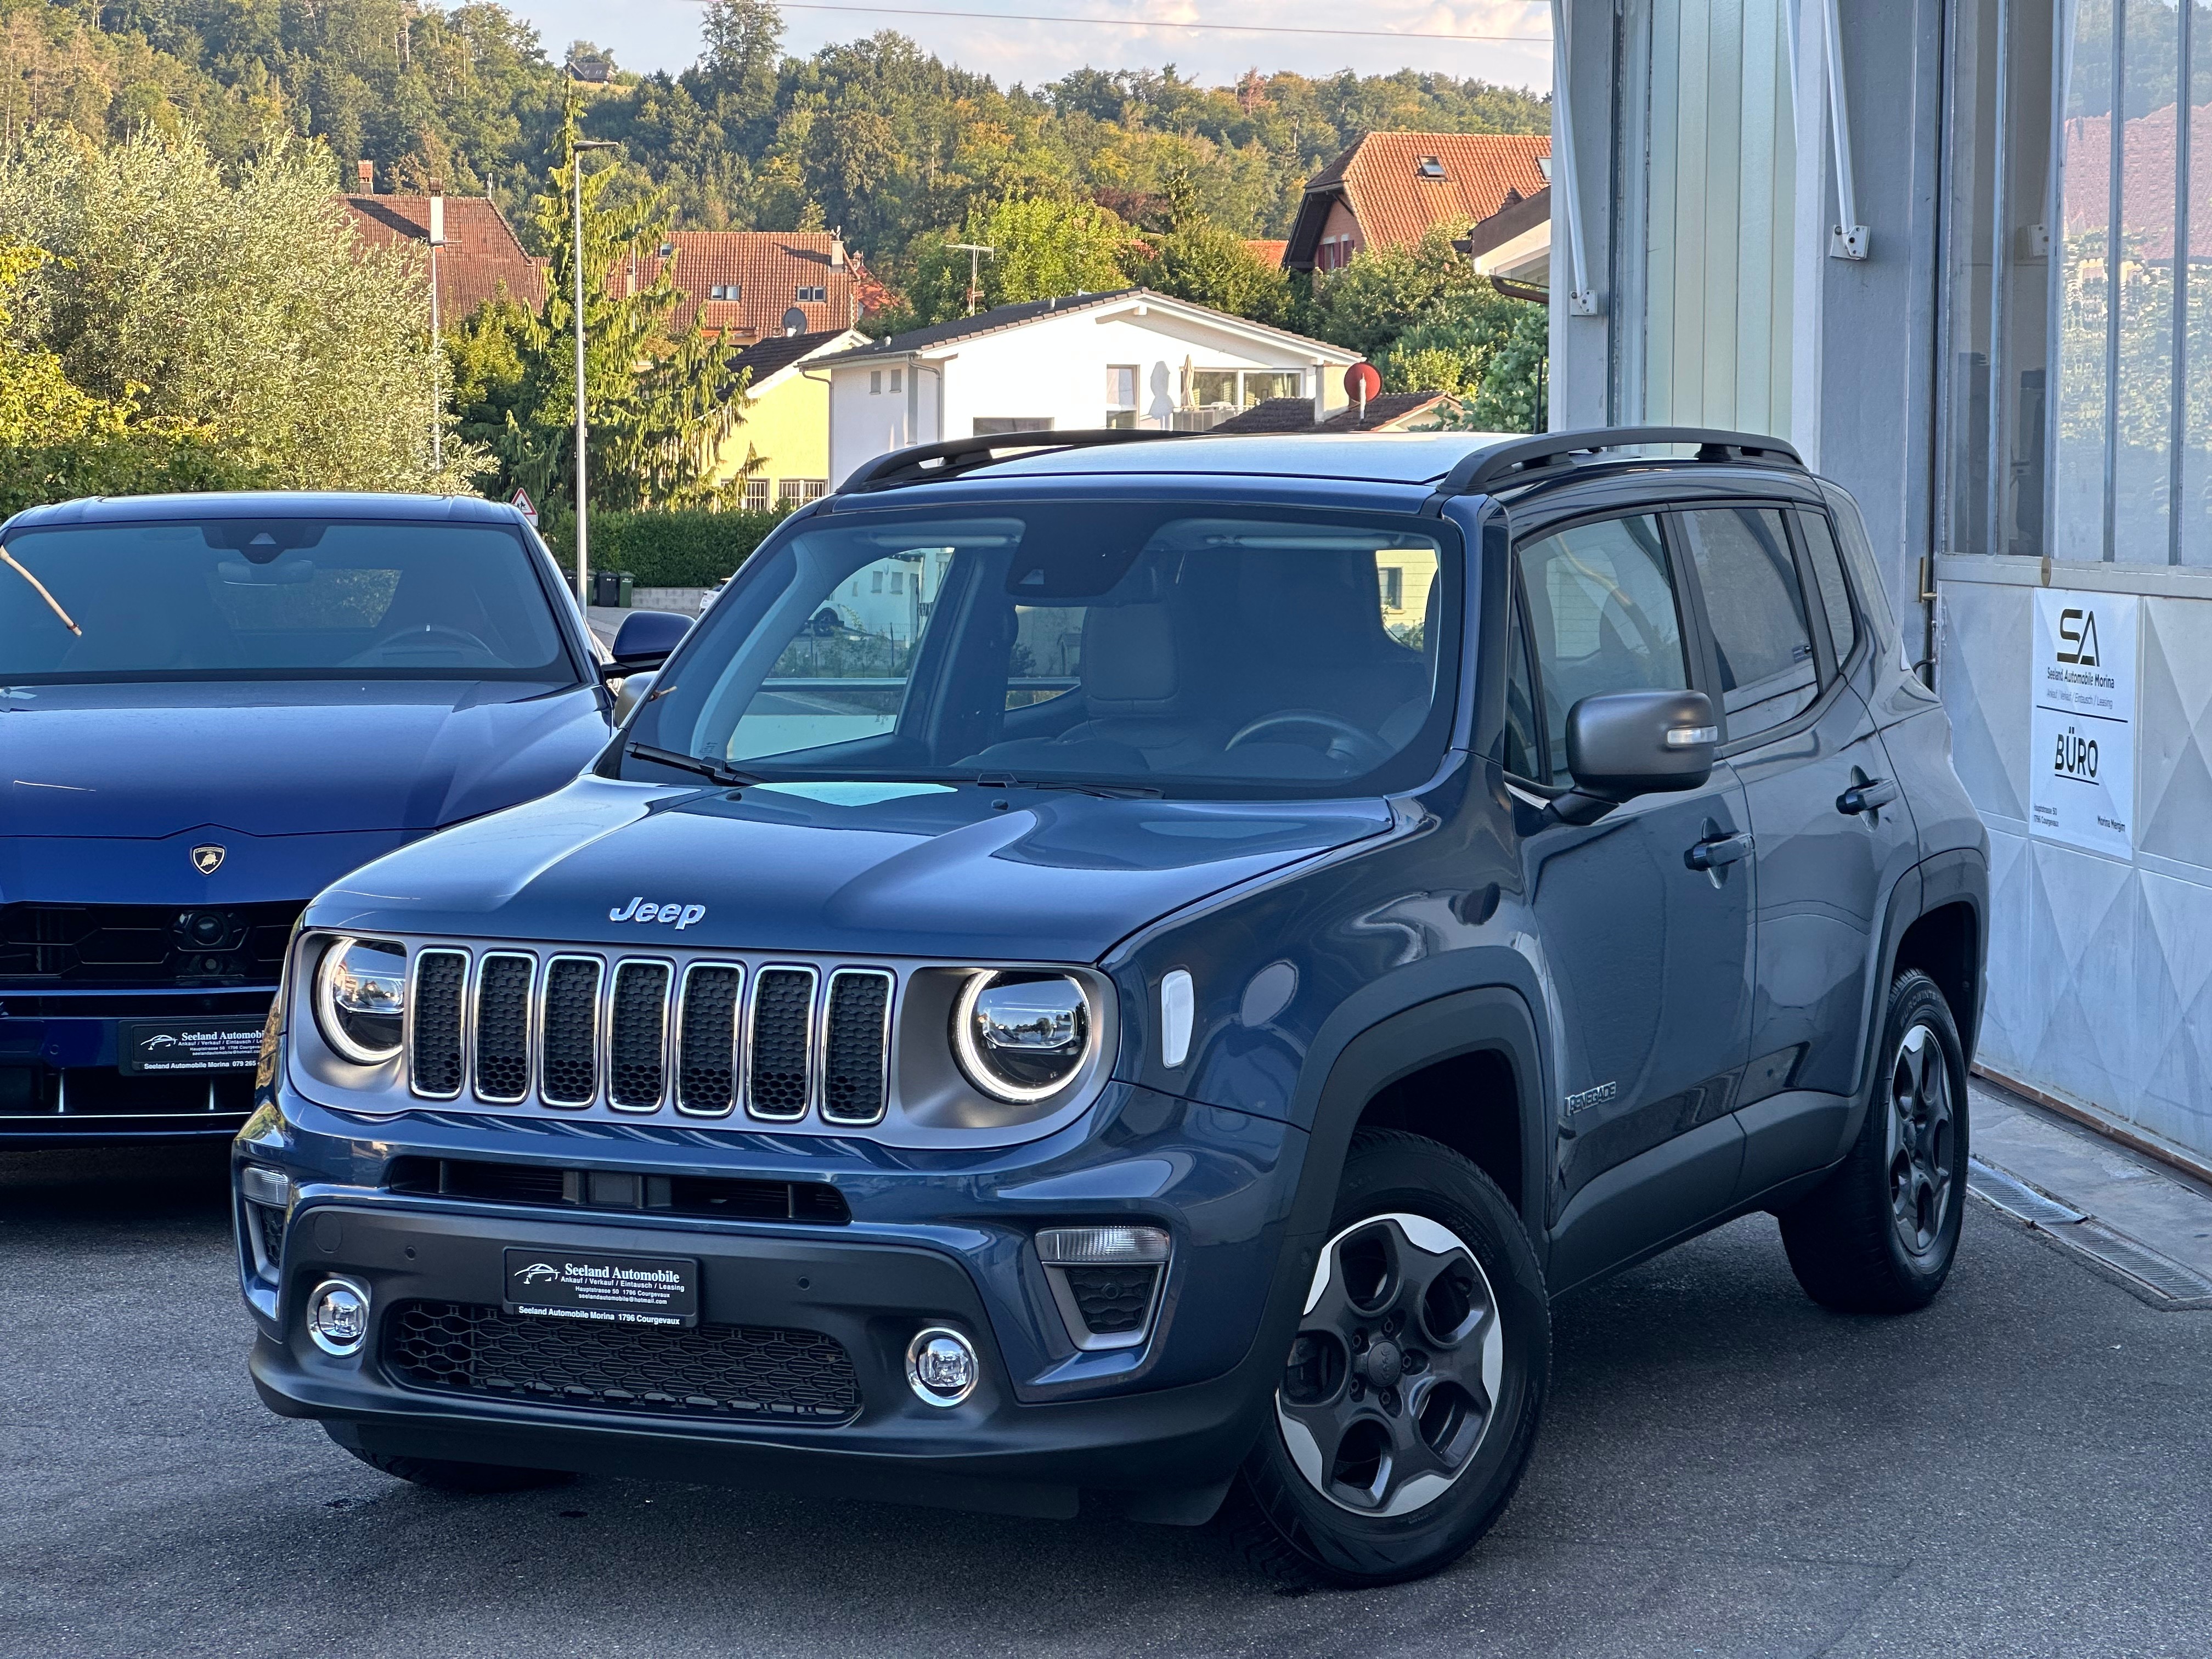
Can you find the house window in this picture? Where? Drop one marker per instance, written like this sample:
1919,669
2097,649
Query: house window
1431,166
898,380
816,295
989,425
1393,578
875,382
898,581
797,492
723,291
1122,394
1241,388
757,495
875,581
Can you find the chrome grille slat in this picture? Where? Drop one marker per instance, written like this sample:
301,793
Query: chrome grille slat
856,1046
436,1062
779,1043
569,1032
706,1039
505,980
637,1034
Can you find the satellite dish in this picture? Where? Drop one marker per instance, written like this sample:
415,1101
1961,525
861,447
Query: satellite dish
794,321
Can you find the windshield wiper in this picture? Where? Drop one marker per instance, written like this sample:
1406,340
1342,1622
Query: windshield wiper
713,770
1104,791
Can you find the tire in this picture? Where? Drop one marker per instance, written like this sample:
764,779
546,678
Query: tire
1439,1428
437,1475
1880,1235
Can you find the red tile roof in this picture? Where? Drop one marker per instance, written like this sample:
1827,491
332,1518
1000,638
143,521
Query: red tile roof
480,254
1268,250
1380,179
767,270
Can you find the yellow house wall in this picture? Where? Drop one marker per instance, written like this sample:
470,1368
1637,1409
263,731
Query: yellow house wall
788,427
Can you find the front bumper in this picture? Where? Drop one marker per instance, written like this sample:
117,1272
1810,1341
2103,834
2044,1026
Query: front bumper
934,1239
61,1081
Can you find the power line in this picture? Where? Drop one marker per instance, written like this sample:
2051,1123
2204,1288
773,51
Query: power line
1161,23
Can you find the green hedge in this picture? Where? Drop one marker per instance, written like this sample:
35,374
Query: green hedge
122,464
691,548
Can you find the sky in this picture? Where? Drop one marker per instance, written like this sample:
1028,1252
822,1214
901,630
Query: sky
656,34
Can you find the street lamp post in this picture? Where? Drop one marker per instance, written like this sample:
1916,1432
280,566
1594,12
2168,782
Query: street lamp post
576,189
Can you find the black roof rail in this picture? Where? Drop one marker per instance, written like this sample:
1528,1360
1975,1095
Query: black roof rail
1498,464
932,462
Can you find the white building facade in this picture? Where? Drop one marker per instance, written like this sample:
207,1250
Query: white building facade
1133,358
1959,252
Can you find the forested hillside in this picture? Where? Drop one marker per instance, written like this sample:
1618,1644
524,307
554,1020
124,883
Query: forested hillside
875,135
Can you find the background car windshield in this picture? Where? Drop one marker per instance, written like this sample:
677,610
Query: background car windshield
261,598
1081,642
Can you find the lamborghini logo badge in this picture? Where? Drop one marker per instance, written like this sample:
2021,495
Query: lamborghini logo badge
207,860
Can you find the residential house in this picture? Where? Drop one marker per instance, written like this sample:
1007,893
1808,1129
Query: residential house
1513,246
1128,358
479,258
1391,189
786,433
1268,250
747,284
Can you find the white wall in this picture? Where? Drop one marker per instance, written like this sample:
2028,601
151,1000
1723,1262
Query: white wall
1054,368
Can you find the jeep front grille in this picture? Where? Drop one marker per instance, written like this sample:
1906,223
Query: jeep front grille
640,1036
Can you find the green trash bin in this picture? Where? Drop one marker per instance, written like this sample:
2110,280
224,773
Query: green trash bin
623,589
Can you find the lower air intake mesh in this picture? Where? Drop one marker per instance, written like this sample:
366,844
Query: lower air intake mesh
712,1370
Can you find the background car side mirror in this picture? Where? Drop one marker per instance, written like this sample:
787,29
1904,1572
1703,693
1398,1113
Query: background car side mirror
644,640
1626,743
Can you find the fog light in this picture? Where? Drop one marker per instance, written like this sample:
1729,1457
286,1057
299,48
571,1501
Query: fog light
338,1317
942,1366
261,1185
1102,1247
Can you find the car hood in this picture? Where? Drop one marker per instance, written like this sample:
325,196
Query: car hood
282,759
835,868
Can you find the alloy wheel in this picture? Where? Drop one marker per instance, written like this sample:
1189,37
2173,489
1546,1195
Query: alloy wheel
1394,1376
1922,1139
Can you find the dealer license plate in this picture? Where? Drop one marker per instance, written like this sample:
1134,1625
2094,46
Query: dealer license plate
606,1290
187,1045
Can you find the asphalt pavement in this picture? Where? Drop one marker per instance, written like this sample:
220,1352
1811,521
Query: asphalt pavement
2026,1469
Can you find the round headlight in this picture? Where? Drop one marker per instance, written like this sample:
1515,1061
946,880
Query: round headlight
1021,1037
361,998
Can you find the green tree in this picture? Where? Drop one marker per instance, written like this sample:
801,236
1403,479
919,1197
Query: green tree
1515,386
1385,292
1043,246
659,403
1451,348
1199,260
236,303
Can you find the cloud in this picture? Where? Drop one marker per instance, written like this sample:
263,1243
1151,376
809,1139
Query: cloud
664,34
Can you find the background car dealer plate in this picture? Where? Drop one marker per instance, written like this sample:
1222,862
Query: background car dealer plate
608,1290
187,1045
2082,772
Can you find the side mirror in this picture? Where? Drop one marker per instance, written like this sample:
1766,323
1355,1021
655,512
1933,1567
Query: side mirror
635,690
1626,743
644,640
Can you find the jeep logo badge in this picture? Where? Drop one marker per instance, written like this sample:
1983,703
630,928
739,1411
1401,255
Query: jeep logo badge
207,860
640,909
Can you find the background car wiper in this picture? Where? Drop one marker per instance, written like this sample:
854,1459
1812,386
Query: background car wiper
713,770
1104,791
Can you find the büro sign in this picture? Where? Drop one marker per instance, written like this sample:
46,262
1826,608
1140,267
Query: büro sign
2081,768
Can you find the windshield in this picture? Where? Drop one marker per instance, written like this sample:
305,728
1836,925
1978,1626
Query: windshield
272,599
1125,646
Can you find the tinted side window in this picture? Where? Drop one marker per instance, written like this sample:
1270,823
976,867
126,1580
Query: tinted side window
1758,614
1827,563
1602,614
1523,756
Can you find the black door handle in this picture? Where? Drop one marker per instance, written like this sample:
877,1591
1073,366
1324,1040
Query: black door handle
1865,796
1721,849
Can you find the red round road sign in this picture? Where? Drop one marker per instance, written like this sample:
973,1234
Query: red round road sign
1361,382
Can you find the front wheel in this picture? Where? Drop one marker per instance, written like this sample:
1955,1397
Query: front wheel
1409,1400
1878,1235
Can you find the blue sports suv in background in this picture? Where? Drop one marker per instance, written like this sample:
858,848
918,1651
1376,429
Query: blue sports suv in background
1128,976
212,707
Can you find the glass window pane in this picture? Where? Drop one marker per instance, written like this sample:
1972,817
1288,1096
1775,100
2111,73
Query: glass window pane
1258,386
1213,385
2143,484
2194,509
1827,563
2084,292
1758,615
2019,383
1602,614
1523,756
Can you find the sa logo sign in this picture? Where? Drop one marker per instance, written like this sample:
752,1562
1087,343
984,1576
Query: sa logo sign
2077,630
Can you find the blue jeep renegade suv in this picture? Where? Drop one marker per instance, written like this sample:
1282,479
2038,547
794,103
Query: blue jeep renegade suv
1126,971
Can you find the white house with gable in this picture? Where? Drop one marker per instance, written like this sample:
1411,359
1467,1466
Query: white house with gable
1131,358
